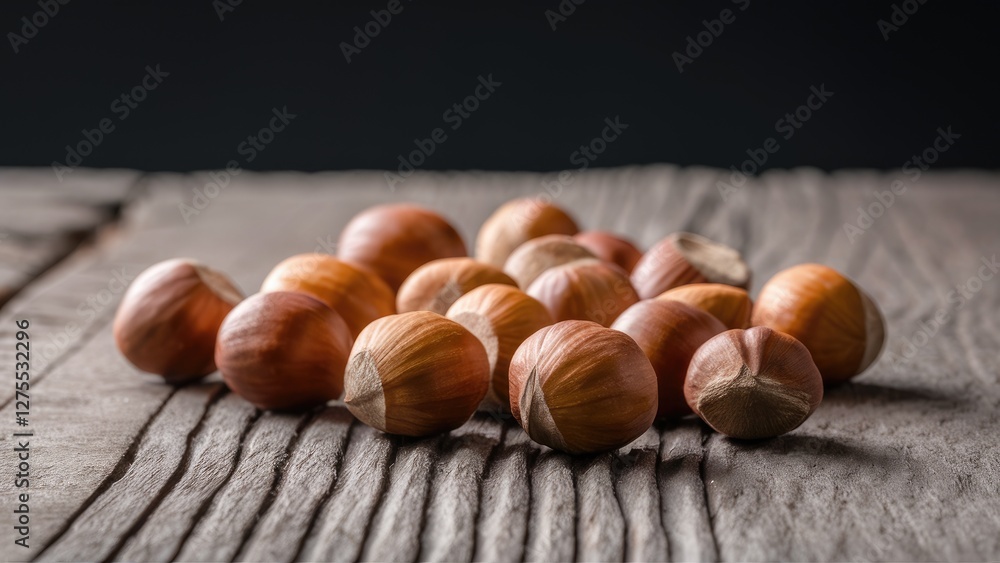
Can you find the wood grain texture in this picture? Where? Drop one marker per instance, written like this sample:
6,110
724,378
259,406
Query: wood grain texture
900,464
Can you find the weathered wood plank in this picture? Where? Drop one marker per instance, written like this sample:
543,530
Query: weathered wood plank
552,530
42,220
212,458
112,517
502,527
898,465
686,515
638,493
219,534
394,533
342,526
83,431
600,528
306,482
450,528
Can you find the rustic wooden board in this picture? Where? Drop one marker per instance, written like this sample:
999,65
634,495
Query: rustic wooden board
902,464
43,219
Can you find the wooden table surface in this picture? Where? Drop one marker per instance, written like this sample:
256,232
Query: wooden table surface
901,464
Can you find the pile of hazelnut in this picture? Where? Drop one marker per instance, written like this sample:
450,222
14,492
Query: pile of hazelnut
582,337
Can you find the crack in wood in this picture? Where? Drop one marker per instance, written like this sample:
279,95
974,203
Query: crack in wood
487,467
116,474
174,478
203,509
278,474
337,474
703,462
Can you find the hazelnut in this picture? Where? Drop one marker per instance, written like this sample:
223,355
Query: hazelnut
579,387
610,248
755,383
669,333
729,304
529,260
683,258
439,283
416,374
283,350
517,222
356,294
589,290
169,317
501,317
395,239
837,321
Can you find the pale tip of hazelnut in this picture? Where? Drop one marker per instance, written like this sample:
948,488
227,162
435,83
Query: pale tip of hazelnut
218,283
536,418
482,328
717,262
363,390
874,331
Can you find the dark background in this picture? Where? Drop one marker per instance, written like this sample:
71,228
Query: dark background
604,60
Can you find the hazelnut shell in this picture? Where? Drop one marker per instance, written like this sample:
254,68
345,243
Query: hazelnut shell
439,283
836,320
529,260
356,294
501,317
669,333
395,239
683,258
416,374
517,222
169,317
752,384
587,289
729,304
579,387
283,350
610,248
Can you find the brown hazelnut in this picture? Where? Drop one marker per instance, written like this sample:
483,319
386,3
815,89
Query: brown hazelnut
517,222
755,383
501,317
395,239
584,290
610,248
416,374
439,283
669,333
579,387
683,258
834,318
283,350
529,260
729,304
356,294
169,317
